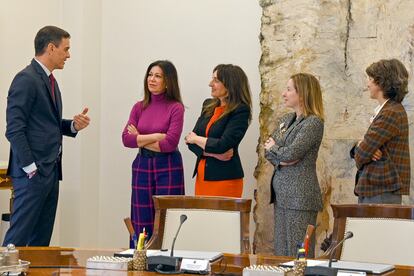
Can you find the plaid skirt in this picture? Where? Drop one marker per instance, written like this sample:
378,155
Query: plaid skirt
157,175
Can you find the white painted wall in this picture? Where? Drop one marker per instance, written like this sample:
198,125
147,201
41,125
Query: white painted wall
19,22
112,44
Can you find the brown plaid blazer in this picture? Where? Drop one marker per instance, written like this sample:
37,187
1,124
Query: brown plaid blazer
389,133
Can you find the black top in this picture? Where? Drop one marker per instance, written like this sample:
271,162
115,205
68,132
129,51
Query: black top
224,134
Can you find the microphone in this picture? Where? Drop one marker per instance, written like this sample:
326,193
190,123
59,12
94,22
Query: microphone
329,270
348,235
166,264
182,219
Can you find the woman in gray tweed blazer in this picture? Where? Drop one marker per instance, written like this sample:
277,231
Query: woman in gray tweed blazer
293,150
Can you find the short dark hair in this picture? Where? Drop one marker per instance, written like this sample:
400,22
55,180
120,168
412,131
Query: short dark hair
391,76
46,35
172,91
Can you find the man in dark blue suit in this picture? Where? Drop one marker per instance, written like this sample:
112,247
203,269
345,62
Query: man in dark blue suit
34,129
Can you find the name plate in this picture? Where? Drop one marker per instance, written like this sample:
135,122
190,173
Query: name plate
195,266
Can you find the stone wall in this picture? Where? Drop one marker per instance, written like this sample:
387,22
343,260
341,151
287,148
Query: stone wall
334,40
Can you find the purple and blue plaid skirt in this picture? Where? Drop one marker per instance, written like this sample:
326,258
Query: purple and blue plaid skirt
157,175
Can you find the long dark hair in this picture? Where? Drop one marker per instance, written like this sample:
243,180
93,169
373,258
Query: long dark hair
172,90
235,81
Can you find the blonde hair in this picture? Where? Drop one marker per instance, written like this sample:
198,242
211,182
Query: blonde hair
310,94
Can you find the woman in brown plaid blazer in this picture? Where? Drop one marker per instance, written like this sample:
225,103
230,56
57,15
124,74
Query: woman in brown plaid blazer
383,156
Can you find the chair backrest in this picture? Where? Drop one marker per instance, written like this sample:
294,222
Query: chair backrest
383,233
213,224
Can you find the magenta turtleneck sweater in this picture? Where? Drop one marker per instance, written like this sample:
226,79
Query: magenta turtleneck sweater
161,116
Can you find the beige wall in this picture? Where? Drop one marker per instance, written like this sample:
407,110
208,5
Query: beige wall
336,41
112,43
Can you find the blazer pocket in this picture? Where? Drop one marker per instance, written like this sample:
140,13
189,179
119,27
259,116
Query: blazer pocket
380,172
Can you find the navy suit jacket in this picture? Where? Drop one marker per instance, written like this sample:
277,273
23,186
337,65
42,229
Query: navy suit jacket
34,122
224,134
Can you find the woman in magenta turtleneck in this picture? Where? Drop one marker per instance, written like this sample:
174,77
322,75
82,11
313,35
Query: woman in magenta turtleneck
154,126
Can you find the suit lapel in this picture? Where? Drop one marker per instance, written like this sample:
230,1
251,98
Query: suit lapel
218,125
201,125
292,123
383,109
46,81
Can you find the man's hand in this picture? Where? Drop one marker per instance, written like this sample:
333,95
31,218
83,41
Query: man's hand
81,120
221,156
31,174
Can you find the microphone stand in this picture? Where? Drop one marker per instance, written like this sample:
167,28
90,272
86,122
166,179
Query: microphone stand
329,270
182,219
167,264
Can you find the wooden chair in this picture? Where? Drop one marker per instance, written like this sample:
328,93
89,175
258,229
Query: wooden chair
383,233
213,224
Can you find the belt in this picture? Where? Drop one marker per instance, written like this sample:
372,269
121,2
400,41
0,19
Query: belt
150,153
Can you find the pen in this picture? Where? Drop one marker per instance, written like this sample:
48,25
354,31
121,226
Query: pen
141,240
309,232
134,239
145,236
306,245
298,246
301,254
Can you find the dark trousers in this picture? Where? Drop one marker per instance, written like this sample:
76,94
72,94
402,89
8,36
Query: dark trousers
290,230
34,210
384,198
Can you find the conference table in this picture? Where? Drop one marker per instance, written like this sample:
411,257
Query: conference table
72,261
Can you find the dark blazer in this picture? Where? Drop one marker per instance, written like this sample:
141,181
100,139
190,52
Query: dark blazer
224,134
389,133
296,186
34,122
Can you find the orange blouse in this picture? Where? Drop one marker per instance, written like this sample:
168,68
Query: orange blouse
228,188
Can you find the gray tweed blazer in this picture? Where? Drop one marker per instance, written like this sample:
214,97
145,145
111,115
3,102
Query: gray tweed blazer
296,186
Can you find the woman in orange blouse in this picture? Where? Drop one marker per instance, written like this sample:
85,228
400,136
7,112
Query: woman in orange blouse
218,132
